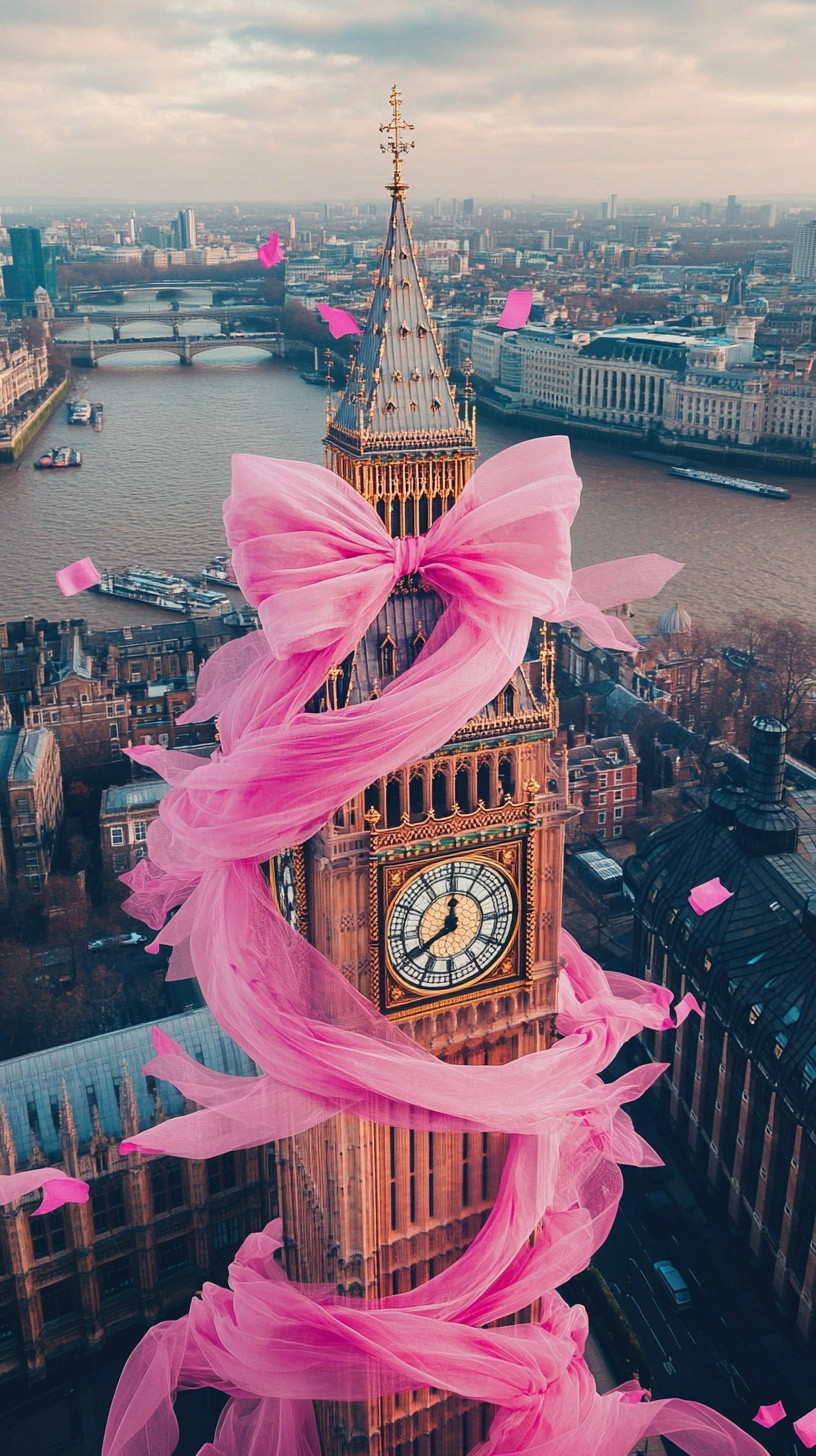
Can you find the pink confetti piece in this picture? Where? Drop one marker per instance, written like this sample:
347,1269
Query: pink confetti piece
339,321
684,1008
769,1415
516,309
708,896
805,1429
77,577
271,253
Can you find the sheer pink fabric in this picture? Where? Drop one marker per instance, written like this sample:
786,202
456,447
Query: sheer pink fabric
274,1346
317,564
57,1188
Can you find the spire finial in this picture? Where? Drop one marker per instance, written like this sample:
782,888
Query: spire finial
395,144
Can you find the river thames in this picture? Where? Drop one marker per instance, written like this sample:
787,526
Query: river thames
152,483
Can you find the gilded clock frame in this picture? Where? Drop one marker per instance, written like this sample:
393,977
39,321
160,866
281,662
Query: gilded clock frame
510,875
504,835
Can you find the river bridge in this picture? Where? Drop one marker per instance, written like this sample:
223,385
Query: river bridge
228,319
86,353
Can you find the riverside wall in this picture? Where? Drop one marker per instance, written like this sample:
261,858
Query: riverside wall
11,450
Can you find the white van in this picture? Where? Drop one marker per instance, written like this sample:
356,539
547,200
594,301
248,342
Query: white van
673,1284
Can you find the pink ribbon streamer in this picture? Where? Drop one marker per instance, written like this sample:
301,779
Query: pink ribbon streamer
516,311
316,563
272,1347
340,322
57,1188
77,577
271,252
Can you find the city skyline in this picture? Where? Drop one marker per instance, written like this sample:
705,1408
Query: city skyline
253,101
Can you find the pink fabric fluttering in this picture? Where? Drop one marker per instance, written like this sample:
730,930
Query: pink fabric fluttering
314,560
708,896
77,577
339,320
273,1347
805,1429
271,252
516,311
317,565
770,1415
57,1188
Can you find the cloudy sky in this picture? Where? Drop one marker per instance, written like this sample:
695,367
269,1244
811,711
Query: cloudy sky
280,99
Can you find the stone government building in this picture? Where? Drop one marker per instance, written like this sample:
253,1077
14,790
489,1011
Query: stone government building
153,1229
741,1089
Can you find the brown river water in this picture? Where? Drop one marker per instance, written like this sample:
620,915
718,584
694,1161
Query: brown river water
152,483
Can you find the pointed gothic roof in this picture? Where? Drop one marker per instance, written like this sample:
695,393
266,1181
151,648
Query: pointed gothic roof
397,396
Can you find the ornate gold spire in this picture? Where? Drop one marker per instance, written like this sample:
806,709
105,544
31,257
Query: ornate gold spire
397,433
395,144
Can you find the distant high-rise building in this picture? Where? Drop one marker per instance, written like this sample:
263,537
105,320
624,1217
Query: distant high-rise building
159,235
705,211
130,230
803,265
604,211
186,228
292,230
468,208
32,266
733,211
613,207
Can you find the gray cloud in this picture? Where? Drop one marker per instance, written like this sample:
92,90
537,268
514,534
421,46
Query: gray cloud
274,99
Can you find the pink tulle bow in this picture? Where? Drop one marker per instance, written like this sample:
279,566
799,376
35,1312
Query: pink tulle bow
57,1188
77,577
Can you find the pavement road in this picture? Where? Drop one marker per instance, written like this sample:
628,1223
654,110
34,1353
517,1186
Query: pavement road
729,1349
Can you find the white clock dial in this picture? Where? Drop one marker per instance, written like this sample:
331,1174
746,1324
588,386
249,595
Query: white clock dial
450,924
286,887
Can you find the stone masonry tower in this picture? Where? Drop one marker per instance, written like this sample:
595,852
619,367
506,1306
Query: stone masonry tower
437,892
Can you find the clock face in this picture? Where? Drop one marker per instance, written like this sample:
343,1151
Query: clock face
286,887
450,924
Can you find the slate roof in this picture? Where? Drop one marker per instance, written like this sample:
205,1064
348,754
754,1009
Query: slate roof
90,1073
753,959
31,747
397,396
660,353
139,795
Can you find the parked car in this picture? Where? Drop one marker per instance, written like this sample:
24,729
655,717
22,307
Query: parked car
131,937
673,1284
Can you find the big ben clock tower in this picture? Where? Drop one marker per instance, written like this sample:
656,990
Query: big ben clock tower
437,892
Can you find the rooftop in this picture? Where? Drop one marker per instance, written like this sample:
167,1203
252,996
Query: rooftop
139,795
90,1074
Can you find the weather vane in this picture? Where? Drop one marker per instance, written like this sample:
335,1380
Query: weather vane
395,144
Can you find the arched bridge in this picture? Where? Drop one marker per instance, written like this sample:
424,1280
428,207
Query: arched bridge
86,353
227,319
